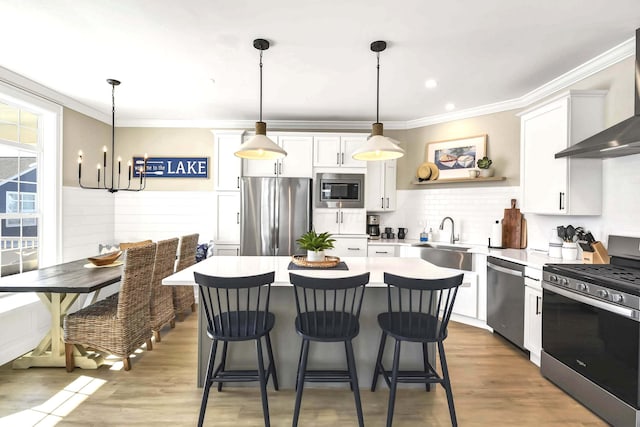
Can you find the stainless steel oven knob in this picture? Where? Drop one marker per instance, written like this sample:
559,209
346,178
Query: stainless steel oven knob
564,282
582,287
617,298
553,278
602,293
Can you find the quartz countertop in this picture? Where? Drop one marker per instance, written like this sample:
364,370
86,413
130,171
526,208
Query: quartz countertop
531,257
238,266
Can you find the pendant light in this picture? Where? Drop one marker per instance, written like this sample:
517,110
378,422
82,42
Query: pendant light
115,181
259,146
378,147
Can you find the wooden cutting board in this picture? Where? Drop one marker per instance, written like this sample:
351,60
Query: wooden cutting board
512,227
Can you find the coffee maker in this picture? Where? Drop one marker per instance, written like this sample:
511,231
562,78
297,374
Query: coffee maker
373,226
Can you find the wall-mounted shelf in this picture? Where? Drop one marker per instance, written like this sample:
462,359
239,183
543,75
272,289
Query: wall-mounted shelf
460,180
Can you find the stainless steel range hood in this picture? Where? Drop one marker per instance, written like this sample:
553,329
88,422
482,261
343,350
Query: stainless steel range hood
622,139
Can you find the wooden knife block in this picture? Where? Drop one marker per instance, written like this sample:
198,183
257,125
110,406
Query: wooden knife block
598,256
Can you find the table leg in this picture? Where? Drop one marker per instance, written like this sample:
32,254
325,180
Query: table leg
50,350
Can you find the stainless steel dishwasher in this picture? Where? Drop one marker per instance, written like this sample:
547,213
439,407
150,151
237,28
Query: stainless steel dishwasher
505,299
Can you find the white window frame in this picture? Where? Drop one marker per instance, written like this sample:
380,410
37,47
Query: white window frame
18,198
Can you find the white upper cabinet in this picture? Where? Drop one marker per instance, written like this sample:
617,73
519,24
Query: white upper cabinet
227,167
380,186
340,221
565,186
297,164
334,151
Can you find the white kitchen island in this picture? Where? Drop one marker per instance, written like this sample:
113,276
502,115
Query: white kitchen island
286,343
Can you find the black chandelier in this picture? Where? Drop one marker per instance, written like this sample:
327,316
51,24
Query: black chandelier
115,185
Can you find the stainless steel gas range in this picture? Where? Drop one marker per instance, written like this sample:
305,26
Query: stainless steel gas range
591,331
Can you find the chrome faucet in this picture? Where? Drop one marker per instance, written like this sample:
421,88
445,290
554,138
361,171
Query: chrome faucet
453,238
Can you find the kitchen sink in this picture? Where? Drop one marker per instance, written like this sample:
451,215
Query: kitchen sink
445,256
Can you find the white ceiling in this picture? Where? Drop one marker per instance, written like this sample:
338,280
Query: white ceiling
319,66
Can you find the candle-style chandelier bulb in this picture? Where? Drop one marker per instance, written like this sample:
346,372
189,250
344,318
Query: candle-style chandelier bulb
114,186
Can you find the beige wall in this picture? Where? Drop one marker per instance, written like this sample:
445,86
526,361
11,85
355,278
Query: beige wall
80,132
503,145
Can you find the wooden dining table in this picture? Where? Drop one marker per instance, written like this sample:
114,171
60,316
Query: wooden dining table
58,287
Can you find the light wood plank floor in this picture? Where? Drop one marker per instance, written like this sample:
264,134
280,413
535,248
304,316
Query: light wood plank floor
493,384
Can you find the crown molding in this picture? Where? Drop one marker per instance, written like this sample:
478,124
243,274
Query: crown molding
17,81
271,124
612,56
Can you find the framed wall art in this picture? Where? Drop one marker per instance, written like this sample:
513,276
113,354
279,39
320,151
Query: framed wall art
455,157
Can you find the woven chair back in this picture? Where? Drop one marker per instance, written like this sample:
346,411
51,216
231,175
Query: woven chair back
135,286
188,247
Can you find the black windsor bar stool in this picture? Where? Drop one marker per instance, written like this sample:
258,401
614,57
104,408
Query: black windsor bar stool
328,311
237,309
418,310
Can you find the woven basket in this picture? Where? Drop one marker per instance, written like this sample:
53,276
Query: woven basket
329,261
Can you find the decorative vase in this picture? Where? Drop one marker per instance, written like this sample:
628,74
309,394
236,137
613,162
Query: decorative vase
569,251
486,173
315,256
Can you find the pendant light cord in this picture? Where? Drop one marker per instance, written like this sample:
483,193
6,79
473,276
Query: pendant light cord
261,85
113,135
378,89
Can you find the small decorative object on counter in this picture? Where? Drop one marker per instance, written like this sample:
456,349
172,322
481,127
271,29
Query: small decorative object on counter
430,235
424,237
315,245
555,245
402,232
495,241
484,164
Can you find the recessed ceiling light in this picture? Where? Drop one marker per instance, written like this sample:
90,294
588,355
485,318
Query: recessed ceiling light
450,106
431,83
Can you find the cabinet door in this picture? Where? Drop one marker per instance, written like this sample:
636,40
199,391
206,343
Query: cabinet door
374,187
326,220
389,185
227,165
533,322
326,151
348,146
226,250
227,217
466,303
353,221
299,160
349,246
381,251
263,168
544,133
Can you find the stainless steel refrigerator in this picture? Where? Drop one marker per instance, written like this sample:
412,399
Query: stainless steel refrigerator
274,213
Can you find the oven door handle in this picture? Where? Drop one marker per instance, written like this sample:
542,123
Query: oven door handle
626,312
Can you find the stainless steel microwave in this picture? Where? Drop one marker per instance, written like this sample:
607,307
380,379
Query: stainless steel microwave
339,190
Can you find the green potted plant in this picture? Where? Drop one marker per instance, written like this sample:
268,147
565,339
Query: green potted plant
484,164
315,244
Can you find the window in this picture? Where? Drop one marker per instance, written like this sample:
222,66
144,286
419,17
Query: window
19,214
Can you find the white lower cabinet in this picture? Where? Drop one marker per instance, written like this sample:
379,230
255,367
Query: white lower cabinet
533,313
226,250
382,250
467,297
349,247
533,322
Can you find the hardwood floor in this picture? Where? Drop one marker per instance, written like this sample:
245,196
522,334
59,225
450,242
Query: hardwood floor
493,385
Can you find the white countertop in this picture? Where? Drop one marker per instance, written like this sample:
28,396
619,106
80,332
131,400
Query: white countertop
238,266
532,258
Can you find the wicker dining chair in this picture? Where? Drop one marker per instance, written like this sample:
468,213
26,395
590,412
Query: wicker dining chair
183,296
161,305
118,324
